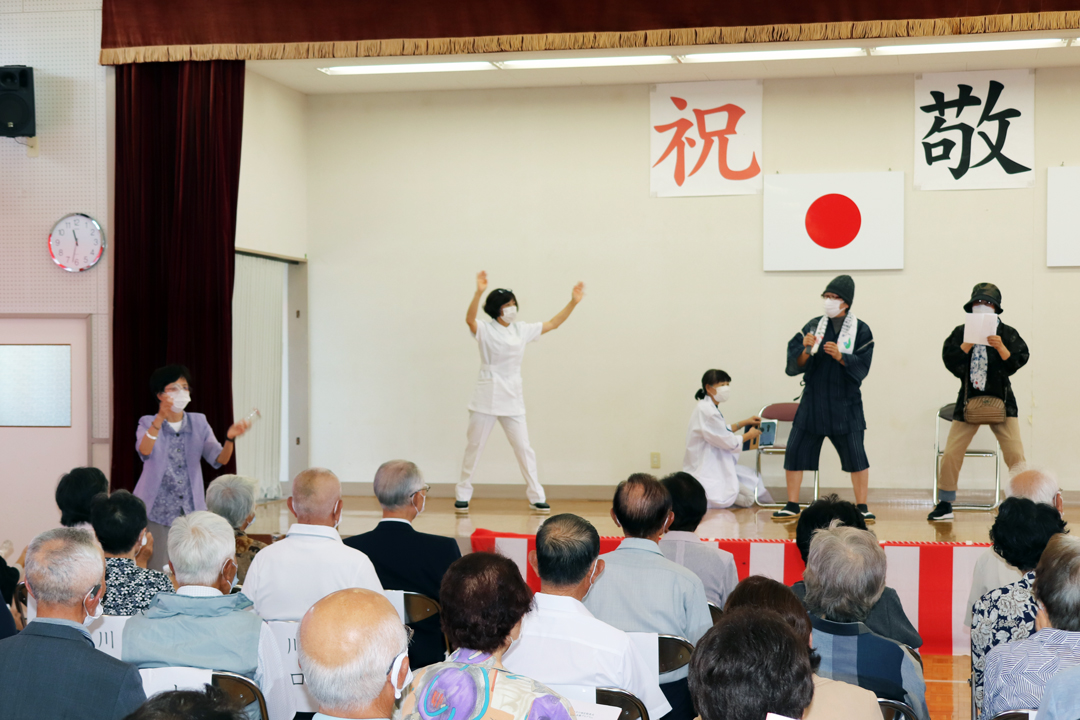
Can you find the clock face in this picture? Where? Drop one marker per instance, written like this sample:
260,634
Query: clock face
77,242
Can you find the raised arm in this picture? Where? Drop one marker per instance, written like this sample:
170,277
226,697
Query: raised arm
575,297
481,286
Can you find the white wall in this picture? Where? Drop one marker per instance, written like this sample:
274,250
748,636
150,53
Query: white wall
271,213
411,194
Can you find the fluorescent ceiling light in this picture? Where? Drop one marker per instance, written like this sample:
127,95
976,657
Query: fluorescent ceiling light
767,55
973,46
587,62
406,68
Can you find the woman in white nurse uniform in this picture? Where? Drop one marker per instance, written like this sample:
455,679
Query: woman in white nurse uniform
498,394
713,448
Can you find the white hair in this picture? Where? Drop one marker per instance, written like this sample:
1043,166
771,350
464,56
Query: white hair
396,482
199,545
845,573
359,681
63,565
1040,487
232,497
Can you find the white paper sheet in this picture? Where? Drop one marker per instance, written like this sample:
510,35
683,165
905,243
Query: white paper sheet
592,711
978,326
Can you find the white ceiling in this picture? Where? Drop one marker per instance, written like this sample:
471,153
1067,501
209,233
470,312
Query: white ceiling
304,76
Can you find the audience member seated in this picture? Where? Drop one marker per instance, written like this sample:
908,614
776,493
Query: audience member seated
9,579
715,567
887,617
233,498
310,562
561,643
120,525
751,664
404,558
845,576
832,698
7,623
1018,671
74,494
484,600
991,571
354,652
1061,701
210,704
1020,534
202,625
51,669
643,591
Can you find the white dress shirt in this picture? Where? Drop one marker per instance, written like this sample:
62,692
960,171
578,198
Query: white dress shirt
561,643
712,454
288,577
270,675
715,567
991,572
498,388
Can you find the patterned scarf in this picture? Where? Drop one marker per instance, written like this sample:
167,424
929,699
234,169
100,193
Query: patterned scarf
978,366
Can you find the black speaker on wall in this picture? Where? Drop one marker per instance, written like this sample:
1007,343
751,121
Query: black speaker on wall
17,117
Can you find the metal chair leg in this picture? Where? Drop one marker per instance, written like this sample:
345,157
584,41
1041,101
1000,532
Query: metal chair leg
757,497
969,454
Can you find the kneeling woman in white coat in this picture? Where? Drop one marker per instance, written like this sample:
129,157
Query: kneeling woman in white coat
713,448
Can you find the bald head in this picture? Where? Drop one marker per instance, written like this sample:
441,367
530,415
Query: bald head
1039,486
347,642
641,506
316,494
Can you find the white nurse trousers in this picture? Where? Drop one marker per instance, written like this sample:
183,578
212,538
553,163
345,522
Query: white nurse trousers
480,425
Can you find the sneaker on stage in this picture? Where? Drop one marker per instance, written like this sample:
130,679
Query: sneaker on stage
461,506
868,516
942,512
788,512
542,508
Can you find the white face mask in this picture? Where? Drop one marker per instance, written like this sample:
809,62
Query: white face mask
509,313
721,393
98,611
180,399
981,309
423,504
592,579
832,307
394,670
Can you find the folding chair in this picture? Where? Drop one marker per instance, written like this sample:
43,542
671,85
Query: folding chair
285,632
946,413
107,634
716,612
780,412
674,652
242,690
631,707
1016,715
895,710
22,599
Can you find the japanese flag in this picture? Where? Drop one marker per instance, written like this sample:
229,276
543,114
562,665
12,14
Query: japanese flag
850,221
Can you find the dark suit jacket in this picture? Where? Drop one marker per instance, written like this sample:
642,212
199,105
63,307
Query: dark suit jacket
409,560
887,617
53,672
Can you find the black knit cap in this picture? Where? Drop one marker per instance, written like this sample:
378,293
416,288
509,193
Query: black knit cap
843,287
988,292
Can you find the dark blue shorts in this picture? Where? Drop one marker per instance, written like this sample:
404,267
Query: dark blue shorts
804,451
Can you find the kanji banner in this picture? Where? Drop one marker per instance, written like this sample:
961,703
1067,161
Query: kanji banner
975,130
841,221
705,138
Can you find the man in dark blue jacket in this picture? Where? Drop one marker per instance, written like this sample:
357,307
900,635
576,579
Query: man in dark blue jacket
833,353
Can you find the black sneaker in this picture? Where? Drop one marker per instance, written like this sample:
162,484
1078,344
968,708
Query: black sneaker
868,516
461,506
540,507
788,512
943,511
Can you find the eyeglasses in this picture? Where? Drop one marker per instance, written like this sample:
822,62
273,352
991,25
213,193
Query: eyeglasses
424,490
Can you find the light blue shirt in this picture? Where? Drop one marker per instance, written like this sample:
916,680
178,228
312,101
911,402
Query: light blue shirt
1018,672
643,591
1061,701
715,567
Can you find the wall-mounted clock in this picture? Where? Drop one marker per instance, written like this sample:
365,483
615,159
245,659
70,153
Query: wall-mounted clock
77,242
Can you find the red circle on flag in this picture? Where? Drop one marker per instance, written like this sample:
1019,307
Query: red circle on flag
833,221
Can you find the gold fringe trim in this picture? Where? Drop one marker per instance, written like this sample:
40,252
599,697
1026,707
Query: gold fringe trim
877,29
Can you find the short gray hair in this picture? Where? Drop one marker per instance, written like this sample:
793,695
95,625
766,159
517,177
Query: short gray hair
396,482
845,573
232,497
307,496
200,543
1035,484
358,682
1057,582
63,565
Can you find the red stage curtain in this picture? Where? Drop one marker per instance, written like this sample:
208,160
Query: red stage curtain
272,29
178,128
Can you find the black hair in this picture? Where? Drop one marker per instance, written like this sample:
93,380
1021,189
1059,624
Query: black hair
498,298
165,376
210,704
75,491
118,520
566,546
711,377
483,597
1022,530
819,514
641,505
749,664
768,594
688,501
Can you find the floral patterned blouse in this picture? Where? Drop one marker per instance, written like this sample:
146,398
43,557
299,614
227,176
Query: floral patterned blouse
474,686
130,588
1002,615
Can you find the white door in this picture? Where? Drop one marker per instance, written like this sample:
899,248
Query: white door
33,457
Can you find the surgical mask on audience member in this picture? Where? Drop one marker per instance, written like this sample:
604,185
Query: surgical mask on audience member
509,313
180,399
592,580
394,670
98,611
981,309
832,307
423,504
721,393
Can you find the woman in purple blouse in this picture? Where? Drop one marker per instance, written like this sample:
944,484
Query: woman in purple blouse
171,444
